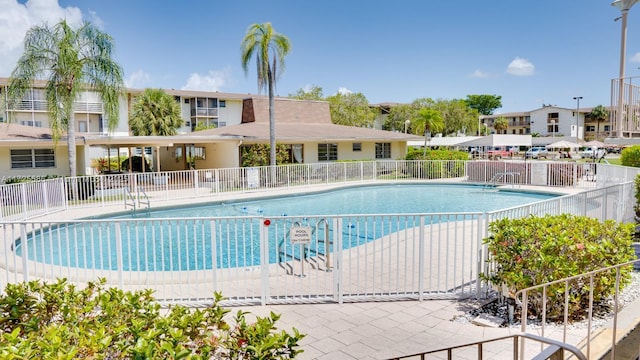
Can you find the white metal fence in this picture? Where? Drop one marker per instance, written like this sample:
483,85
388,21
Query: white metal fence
27,200
253,259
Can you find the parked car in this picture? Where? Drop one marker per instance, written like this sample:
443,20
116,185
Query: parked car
537,152
593,152
499,152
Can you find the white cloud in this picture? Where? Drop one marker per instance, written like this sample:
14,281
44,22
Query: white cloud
17,18
137,80
96,20
212,81
635,58
479,74
520,67
344,91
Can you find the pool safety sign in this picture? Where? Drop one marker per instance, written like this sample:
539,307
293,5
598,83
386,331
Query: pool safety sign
300,234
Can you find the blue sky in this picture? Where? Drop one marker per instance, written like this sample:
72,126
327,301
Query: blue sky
529,52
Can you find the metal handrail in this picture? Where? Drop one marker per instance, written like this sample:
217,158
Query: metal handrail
522,300
559,346
129,196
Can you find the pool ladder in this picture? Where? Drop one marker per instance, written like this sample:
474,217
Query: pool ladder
284,256
141,197
504,176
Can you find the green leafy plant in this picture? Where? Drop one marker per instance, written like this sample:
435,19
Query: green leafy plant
59,320
537,250
436,169
630,156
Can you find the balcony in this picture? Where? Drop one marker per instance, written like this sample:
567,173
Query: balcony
209,112
41,105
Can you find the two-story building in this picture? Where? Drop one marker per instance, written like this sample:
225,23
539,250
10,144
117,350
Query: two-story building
230,121
552,121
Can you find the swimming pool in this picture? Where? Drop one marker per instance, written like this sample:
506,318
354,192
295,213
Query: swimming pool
227,235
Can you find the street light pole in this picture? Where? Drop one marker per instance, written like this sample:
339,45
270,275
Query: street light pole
553,129
623,6
577,99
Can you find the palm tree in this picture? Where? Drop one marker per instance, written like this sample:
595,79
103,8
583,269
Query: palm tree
155,112
427,120
599,113
270,49
500,124
72,61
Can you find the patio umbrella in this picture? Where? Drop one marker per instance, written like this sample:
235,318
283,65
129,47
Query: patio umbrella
563,144
599,144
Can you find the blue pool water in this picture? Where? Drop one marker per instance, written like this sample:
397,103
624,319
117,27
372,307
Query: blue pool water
159,242
377,199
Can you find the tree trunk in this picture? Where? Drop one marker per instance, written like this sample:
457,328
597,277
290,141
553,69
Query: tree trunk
272,122
71,142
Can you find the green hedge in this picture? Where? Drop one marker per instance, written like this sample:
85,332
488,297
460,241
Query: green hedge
536,250
630,156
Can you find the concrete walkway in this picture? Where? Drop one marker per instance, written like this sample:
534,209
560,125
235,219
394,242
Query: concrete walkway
383,330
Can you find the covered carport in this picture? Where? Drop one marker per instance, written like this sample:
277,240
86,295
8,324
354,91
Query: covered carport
177,152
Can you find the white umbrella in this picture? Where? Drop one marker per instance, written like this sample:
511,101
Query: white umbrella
564,144
599,144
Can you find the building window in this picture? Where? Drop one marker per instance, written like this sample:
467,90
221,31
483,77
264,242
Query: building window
31,123
357,147
591,128
32,158
327,152
186,101
383,150
222,103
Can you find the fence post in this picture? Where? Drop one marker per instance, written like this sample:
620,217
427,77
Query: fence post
214,255
421,259
194,174
45,196
119,255
25,251
337,260
264,259
23,193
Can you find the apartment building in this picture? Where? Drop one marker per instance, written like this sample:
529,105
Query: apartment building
552,121
216,126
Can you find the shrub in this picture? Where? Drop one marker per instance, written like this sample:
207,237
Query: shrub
418,154
24,179
630,156
536,250
436,169
61,321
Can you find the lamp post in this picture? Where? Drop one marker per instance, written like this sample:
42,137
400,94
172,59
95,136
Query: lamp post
553,128
406,124
577,99
623,6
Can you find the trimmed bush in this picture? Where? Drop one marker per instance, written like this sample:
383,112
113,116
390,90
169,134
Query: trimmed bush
630,156
61,321
536,250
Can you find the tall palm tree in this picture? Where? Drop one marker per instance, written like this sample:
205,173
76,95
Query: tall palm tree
155,112
428,120
270,49
599,113
71,61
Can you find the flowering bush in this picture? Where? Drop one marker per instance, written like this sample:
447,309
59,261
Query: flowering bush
60,321
536,250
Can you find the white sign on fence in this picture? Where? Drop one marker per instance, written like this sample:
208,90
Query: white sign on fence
253,178
300,234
